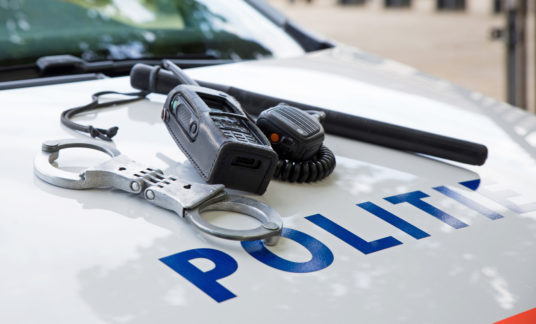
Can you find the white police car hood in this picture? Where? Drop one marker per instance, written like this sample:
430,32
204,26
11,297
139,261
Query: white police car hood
390,237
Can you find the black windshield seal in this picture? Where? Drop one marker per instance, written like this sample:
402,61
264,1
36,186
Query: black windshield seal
107,67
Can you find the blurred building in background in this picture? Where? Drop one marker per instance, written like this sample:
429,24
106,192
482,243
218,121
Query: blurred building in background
484,45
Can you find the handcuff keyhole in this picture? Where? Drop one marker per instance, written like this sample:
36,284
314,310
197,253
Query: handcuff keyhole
122,169
188,186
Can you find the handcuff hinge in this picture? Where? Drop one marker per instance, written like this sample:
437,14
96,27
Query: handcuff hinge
178,195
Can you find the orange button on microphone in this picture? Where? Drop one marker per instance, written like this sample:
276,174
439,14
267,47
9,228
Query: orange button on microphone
274,137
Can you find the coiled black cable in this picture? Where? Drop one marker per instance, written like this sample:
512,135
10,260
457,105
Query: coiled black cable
315,169
104,134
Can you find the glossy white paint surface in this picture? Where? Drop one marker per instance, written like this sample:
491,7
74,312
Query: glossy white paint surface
93,256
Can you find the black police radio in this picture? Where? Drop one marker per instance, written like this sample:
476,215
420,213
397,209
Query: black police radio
218,138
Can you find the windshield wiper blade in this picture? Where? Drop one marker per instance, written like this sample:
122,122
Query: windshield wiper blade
69,64
26,83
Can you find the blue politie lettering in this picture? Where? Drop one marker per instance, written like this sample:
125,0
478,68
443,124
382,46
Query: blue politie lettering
207,281
394,220
469,203
351,238
501,197
322,256
415,198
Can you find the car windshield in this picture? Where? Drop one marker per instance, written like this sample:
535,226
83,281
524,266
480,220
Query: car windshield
132,29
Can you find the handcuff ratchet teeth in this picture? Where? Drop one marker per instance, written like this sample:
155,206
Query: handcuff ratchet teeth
189,200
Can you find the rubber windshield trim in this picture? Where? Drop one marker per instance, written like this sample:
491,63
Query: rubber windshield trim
28,75
50,80
268,11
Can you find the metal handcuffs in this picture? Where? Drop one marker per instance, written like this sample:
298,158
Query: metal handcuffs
185,198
